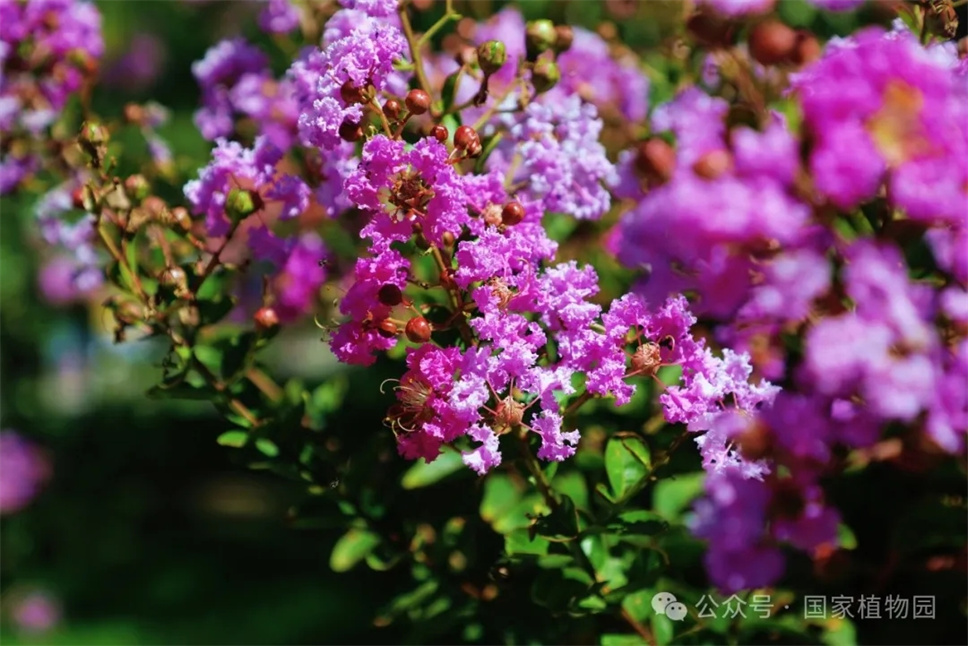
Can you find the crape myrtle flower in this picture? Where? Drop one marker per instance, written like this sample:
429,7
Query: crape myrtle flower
900,117
329,82
279,16
23,471
235,170
47,49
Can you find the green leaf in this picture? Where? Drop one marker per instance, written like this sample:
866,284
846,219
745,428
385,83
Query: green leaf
423,474
619,639
183,390
561,523
639,522
846,538
555,589
519,543
236,439
215,309
840,632
673,496
352,548
267,447
235,353
662,629
627,463
639,604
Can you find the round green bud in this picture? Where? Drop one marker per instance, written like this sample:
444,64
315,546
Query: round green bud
540,36
491,56
545,75
242,203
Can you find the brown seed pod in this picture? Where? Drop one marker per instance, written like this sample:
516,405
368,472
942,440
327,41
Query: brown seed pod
466,137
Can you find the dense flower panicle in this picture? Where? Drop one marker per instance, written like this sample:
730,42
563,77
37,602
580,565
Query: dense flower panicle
296,286
236,168
563,167
898,113
47,48
363,57
23,471
404,186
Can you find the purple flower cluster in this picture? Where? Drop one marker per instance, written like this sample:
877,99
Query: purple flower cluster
734,223
236,81
903,122
554,153
47,48
359,52
23,471
78,264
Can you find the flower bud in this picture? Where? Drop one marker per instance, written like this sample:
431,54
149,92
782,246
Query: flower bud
134,113
771,43
711,30
418,101
418,330
137,187
440,133
180,217
77,197
174,277
467,139
242,203
963,47
491,56
94,133
539,36
656,160
387,328
265,319
448,239
713,164
512,213
350,93
510,413
390,295
392,109
808,48
564,37
545,75
492,215
465,55
350,131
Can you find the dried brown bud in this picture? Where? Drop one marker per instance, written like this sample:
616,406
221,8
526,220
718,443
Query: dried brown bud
510,413
180,216
137,187
512,213
647,358
265,319
771,43
134,113
448,239
492,215
418,101
418,330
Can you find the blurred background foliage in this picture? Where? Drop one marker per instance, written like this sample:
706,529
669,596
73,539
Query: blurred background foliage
149,531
